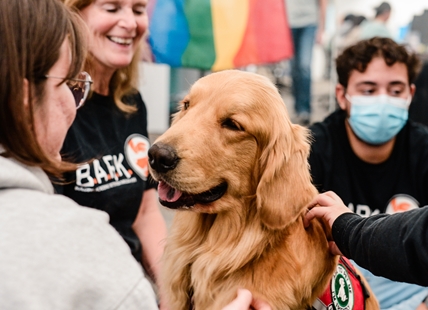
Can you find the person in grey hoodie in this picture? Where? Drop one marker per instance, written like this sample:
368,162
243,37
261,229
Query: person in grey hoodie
54,254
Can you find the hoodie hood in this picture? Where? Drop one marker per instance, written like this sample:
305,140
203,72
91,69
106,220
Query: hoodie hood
14,174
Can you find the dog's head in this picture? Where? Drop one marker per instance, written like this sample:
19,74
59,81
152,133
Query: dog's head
231,146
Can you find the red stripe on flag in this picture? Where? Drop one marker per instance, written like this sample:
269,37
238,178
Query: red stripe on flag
268,36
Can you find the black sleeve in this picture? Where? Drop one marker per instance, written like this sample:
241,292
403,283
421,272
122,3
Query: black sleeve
393,246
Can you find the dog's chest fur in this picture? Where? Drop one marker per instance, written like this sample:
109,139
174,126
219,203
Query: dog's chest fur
266,265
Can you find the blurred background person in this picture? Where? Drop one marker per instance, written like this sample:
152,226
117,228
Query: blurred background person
377,27
306,19
54,254
111,129
349,32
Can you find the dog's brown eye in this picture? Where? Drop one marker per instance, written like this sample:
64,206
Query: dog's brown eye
231,124
186,105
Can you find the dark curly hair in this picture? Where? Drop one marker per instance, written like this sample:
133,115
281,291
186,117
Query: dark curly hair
358,56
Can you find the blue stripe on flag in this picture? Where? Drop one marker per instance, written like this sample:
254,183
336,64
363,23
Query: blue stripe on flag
169,26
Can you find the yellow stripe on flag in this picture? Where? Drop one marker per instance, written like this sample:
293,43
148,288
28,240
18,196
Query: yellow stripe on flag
229,25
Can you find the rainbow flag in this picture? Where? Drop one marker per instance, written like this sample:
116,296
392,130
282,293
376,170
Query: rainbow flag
219,34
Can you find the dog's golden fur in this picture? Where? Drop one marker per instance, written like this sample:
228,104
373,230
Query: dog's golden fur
233,127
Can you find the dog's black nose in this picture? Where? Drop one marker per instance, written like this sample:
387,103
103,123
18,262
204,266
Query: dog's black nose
162,157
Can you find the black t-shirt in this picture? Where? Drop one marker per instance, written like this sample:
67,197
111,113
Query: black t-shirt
398,184
113,147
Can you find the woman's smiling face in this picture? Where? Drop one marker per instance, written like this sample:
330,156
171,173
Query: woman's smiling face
116,28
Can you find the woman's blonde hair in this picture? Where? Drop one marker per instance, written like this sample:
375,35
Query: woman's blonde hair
31,35
124,81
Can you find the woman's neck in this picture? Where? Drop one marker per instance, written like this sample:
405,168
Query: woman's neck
101,75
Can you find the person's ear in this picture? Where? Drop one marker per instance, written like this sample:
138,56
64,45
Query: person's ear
412,89
340,96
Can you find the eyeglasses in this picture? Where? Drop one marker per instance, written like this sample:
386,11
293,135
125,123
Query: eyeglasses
79,86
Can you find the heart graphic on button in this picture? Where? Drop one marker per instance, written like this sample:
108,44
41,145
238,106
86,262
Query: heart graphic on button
136,148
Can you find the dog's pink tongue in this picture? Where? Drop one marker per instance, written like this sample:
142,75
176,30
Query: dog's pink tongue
167,193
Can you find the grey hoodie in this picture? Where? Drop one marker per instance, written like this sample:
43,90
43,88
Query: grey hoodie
55,254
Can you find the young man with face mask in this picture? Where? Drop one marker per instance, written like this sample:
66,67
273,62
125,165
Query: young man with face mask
368,152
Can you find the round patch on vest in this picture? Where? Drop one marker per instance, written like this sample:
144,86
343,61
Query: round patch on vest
401,203
342,292
136,151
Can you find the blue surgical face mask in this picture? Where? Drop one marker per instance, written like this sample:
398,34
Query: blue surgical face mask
378,119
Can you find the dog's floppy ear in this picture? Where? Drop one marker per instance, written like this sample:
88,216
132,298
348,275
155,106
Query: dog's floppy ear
285,184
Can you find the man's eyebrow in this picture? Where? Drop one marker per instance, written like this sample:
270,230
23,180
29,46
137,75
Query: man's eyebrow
393,83
369,83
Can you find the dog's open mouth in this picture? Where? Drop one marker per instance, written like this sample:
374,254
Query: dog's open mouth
173,198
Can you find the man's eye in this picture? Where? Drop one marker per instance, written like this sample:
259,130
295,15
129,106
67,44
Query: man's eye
395,92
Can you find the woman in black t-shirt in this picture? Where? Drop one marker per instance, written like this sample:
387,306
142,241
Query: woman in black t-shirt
109,135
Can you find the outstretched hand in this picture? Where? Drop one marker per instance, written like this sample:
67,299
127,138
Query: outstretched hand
245,301
327,206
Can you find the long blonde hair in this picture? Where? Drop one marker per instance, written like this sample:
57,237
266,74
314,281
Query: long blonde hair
124,81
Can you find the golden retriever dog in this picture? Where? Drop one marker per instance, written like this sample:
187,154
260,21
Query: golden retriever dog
236,169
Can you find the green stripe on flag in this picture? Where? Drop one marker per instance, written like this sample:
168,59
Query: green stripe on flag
200,51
